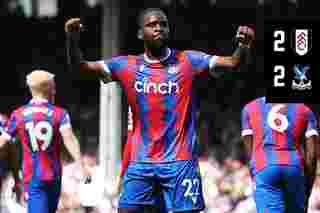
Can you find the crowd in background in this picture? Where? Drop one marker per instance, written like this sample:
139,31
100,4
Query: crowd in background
227,188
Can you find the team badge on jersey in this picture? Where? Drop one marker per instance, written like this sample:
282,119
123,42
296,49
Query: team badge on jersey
302,41
173,70
301,81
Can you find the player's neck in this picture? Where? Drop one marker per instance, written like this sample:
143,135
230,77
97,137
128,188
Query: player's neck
40,98
156,55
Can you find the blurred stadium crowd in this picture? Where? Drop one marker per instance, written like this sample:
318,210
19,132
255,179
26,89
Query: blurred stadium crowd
227,189
30,43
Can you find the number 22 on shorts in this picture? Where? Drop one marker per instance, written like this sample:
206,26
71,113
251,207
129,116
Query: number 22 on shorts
192,188
40,131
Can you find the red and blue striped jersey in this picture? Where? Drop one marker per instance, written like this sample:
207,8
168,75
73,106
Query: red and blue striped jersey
163,105
127,147
278,132
37,125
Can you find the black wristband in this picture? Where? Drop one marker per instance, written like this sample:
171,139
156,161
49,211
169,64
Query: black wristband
244,53
73,36
73,52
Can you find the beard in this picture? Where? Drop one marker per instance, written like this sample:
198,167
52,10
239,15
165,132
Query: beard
157,44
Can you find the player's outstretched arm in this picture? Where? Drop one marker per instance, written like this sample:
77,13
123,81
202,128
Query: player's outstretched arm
245,37
73,28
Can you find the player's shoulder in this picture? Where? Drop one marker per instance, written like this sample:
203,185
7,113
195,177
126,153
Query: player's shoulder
59,109
253,103
19,111
118,62
125,59
189,51
195,52
303,108
182,55
195,56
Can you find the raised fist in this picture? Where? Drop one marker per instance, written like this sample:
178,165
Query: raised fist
73,25
245,36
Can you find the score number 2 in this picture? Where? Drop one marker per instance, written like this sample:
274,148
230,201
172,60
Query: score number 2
279,76
279,70
279,36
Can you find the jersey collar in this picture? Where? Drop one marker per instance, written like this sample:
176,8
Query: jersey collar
38,101
153,61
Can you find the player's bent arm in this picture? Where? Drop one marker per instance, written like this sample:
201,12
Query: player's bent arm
246,132
76,61
240,54
75,58
96,69
311,147
245,37
248,144
228,61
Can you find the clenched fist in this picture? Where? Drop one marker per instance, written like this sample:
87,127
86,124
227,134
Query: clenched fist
245,36
73,25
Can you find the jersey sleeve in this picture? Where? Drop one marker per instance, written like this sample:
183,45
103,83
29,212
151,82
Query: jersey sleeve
10,129
113,66
200,61
312,129
246,128
65,122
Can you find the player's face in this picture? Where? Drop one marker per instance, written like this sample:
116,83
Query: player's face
155,29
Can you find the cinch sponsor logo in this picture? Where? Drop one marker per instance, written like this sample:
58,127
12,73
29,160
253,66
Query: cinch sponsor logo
164,88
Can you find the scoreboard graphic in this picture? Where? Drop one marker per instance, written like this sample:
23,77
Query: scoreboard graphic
291,63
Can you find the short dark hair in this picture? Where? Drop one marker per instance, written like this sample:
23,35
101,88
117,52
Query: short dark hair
145,12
